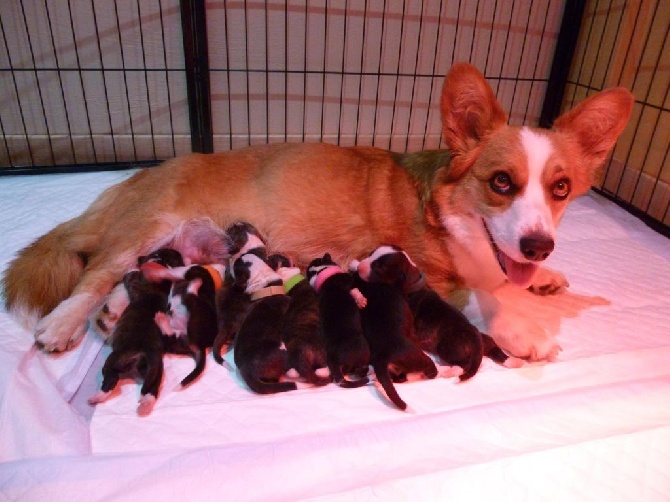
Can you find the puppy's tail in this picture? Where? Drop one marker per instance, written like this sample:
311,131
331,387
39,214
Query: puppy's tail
492,350
217,347
383,377
472,355
261,387
45,272
200,356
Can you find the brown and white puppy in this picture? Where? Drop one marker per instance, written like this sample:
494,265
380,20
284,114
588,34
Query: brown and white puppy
493,198
137,342
347,351
387,321
300,329
258,352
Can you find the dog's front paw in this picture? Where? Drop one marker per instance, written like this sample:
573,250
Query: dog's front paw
64,326
548,282
522,337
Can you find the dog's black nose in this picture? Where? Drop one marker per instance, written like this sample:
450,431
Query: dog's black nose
536,247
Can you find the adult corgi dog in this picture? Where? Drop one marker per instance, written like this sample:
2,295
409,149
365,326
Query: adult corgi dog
476,215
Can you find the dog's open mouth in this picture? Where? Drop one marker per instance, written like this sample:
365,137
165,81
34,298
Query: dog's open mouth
518,273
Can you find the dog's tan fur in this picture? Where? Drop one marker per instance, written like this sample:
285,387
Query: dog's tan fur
306,199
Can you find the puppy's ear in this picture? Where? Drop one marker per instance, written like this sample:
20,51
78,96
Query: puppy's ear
596,124
469,108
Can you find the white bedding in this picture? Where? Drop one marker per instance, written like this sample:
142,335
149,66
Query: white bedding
595,424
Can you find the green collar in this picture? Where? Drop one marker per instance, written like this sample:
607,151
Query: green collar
288,285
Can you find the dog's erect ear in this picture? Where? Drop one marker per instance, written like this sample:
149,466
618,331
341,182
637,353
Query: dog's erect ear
469,108
596,124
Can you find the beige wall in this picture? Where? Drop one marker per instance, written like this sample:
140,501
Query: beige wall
331,71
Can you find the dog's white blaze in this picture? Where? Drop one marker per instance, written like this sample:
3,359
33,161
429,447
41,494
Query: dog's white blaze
529,212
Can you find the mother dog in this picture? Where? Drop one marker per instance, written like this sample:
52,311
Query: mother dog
481,212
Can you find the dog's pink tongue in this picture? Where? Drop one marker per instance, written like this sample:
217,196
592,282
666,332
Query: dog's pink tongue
520,274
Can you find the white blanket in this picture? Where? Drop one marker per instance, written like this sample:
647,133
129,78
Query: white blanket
594,424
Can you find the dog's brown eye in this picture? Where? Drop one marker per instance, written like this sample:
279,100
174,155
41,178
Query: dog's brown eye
561,189
501,183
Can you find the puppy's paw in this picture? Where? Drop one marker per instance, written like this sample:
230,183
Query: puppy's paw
147,402
358,297
449,371
513,362
64,326
548,282
100,397
104,320
521,337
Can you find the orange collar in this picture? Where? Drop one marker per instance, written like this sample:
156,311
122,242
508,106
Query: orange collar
216,276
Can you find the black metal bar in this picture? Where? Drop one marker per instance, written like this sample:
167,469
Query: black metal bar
196,57
560,67
77,168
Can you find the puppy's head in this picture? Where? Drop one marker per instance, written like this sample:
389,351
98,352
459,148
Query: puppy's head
243,237
166,257
317,265
251,271
391,265
513,183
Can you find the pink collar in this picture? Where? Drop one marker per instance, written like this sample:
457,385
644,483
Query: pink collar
325,274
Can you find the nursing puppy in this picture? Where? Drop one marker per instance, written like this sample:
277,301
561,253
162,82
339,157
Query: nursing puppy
479,214
300,329
388,325
347,351
443,330
105,319
190,323
198,239
259,355
232,301
137,343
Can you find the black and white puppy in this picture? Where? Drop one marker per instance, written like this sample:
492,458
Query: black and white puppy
196,240
232,301
105,318
387,320
347,351
300,330
258,352
190,325
137,341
